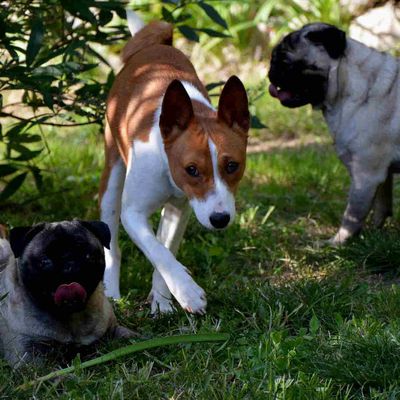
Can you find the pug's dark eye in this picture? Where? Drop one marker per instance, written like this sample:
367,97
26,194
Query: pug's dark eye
45,263
232,167
192,171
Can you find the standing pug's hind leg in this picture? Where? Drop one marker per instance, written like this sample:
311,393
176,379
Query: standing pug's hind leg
362,192
170,232
383,203
110,214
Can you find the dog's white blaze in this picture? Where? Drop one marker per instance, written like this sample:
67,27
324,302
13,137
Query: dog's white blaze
219,200
155,141
110,213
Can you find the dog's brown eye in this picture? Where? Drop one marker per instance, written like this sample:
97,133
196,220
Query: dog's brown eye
192,171
232,167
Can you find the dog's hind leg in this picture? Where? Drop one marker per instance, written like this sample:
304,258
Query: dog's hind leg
383,203
174,219
110,205
366,179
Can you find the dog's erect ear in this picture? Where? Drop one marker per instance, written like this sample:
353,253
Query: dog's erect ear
100,230
21,236
332,38
176,109
233,106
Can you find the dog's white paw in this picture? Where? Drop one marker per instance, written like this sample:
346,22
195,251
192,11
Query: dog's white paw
191,296
160,304
340,238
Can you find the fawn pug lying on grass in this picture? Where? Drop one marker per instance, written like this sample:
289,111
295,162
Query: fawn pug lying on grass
51,289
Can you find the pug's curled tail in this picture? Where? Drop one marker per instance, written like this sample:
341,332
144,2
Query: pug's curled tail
156,32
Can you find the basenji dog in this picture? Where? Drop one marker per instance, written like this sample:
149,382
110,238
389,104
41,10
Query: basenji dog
166,145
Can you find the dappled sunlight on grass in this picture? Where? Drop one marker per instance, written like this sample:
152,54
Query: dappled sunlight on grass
308,322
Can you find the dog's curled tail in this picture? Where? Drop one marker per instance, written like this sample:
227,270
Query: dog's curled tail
156,32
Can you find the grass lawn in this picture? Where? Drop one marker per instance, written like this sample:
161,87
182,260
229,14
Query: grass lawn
305,322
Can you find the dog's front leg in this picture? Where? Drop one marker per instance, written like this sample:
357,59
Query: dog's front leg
383,203
174,219
188,294
365,181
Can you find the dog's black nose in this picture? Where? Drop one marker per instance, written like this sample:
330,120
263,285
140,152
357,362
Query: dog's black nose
219,220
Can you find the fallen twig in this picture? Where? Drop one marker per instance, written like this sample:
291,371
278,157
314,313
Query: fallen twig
133,348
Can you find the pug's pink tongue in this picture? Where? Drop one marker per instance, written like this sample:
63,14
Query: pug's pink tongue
68,293
273,91
282,95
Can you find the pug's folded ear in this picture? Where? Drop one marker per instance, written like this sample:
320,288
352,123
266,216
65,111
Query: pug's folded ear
331,38
21,236
100,230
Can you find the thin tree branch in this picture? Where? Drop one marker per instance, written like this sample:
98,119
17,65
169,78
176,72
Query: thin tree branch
9,115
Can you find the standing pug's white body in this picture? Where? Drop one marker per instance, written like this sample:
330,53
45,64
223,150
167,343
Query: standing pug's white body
362,110
359,95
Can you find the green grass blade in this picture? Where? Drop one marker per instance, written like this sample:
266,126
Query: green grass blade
133,348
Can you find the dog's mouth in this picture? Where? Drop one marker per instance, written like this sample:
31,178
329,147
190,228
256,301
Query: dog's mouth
279,93
287,97
70,297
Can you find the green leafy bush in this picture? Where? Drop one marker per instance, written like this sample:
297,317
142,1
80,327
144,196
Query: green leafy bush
48,47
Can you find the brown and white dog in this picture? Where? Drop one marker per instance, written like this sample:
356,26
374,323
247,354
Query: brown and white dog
167,146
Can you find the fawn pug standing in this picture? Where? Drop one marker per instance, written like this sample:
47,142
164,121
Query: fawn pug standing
358,90
167,146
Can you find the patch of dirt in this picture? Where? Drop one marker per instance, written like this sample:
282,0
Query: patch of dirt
257,146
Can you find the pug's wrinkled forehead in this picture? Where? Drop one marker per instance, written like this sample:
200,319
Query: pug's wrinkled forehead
312,42
301,64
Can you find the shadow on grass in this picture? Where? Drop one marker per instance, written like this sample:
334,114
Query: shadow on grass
307,322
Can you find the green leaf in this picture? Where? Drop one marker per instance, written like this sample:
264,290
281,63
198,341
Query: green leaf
105,17
182,17
7,169
49,70
213,33
11,51
189,33
25,153
256,123
35,40
16,129
48,99
314,325
215,251
37,176
80,9
167,15
27,138
213,14
214,85
12,186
